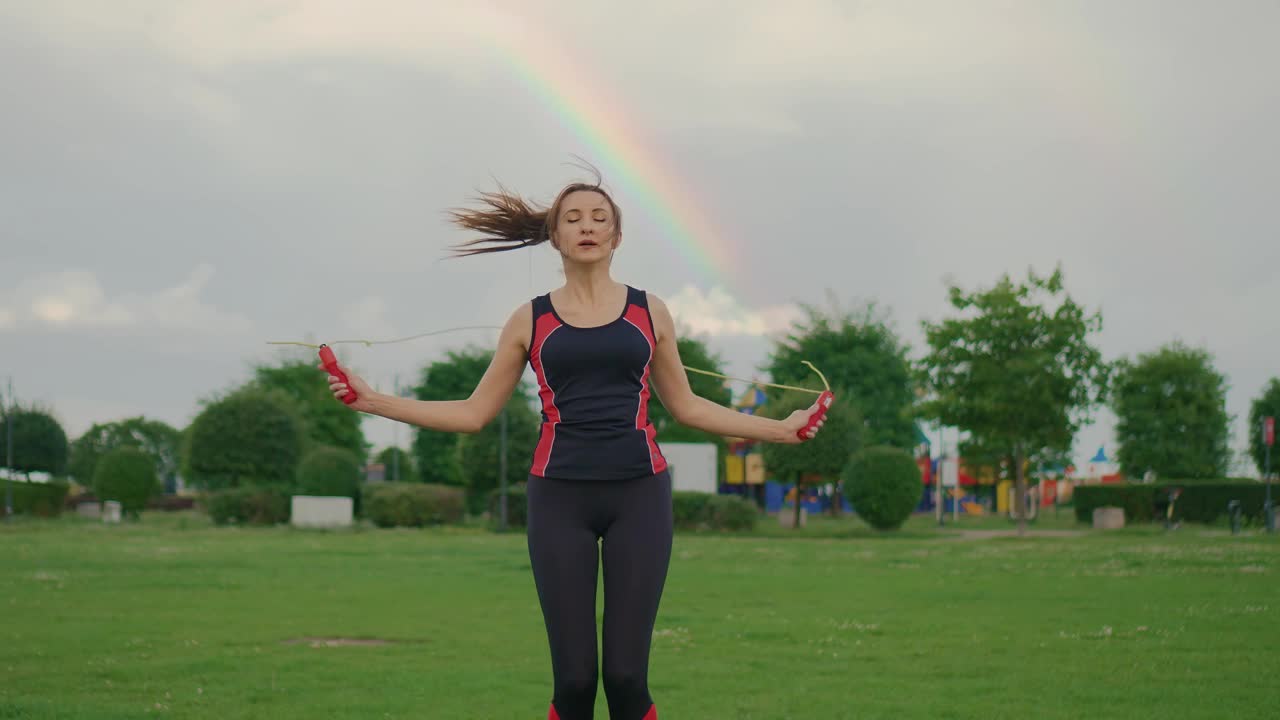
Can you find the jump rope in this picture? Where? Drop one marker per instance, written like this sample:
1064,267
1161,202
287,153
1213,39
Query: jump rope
330,363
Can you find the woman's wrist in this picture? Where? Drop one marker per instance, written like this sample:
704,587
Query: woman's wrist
379,403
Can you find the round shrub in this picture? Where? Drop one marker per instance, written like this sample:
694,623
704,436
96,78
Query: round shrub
331,472
883,485
128,476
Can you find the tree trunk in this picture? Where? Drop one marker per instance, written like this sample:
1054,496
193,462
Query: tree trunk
1020,495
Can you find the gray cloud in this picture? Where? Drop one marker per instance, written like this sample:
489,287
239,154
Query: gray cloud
306,151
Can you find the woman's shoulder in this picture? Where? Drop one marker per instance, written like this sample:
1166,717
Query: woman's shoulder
654,302
519,323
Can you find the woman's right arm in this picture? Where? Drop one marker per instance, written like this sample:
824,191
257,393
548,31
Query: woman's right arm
462,416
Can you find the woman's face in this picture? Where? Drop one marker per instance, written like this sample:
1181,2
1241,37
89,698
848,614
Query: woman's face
585,229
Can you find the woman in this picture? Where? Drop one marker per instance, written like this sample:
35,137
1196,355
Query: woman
597,474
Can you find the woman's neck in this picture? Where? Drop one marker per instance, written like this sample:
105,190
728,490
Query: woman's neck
589,285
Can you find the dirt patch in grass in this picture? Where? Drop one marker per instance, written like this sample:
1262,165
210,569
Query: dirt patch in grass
337,642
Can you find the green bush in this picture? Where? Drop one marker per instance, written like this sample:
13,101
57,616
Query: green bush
703,511
33,498
413,504
731,512
517,506
883,486
689,509
330,472
128,476
1199,501
250,505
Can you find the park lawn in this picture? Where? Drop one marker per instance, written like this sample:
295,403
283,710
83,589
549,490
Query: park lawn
171,617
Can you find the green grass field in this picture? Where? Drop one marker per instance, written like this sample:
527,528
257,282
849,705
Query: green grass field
173,617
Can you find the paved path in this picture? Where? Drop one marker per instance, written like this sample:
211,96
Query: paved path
985,534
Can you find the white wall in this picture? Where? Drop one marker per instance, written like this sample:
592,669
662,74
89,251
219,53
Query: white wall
692,466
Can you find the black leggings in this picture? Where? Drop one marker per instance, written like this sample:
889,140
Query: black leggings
566,519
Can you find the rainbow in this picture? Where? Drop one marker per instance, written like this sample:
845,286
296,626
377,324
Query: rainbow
600,121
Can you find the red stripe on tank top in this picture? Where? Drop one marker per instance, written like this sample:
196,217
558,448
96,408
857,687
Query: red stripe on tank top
546,325
638,317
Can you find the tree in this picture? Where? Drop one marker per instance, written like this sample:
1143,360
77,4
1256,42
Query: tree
1171,414
454,378
158,439
249,437
327,423
398,464
694,353
128,475
39,442
478,454
1017,370
1265,405
821,459
978,455
860,353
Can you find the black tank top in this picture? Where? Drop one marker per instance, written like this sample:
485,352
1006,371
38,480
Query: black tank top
594,386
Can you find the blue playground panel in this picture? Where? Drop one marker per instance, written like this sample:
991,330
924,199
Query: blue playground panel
813,502
775,492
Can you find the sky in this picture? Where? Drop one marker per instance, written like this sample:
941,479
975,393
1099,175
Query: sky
182,181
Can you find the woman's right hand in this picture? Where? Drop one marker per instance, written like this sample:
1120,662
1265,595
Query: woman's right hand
364,393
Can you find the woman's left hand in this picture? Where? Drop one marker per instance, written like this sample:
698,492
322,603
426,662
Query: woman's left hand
796,422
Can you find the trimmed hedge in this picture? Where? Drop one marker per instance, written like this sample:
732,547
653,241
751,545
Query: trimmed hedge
689,509
703,511
517,506
32,498
403,504
732,513
1138,501
251,505
1199,502
171,503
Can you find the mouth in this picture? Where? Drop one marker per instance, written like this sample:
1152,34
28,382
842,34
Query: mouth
588,243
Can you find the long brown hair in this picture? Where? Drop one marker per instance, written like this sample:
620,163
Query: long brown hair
509,222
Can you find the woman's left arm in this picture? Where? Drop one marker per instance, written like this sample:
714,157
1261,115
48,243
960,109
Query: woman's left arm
672,385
